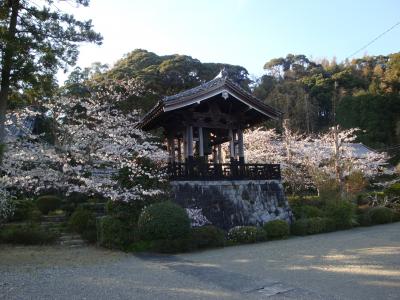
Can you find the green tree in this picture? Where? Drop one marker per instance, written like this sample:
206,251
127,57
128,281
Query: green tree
35,42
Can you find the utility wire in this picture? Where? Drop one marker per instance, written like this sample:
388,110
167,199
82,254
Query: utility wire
374,40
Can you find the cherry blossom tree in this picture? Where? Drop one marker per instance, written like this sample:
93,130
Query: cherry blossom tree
306,160
97,150
6,206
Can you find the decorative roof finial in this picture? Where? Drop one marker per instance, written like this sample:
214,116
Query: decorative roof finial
222,74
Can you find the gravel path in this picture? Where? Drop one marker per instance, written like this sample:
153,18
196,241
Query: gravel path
363,263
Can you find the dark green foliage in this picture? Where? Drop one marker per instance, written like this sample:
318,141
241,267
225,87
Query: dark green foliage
381,215
244,234
393,190
396,216
299,201
48,203
83,222
208,237
35,215
129,212
25,209
376,114
113,233
73,201
307,211
277,229
363,217
164,220
342,212
312,226
42,39
26,235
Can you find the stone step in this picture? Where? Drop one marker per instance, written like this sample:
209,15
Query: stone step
65,237
73,243
54,219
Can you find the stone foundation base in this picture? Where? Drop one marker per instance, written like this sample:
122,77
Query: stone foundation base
229,203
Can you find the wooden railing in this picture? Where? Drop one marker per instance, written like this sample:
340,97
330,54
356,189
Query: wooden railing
232,171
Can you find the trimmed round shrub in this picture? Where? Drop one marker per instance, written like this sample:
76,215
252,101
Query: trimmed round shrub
48,203
312,226
26,235
113,233
277,229
207,236
381,215
163,221
244,234
342,212
82,220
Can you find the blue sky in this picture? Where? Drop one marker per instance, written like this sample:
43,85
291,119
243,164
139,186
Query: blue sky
241,32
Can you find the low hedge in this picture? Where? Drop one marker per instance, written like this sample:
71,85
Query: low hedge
342,212
246,235
26,235
113,233
207,237
312,226
163,221
277,229
307,211
48,203
363,217
381,215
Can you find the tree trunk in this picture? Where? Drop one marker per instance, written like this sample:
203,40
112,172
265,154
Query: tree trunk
7,65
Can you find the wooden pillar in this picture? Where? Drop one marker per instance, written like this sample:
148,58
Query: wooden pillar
201,142
215,154
169,149
185,143
190,141
240,146
232,144
179,150
219,154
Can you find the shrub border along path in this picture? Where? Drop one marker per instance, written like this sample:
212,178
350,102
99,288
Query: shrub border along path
353,264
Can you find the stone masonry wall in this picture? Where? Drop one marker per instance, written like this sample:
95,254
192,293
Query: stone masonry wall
231,203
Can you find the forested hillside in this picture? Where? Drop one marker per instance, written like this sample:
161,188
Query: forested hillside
158,76
360,93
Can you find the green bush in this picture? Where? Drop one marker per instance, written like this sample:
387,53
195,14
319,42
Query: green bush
363,217
26,235
81,220
277,229
312,226
342,212
246,234
381,215
207,237
393,190
23,209
307,211
163,221
296,201
113,233
48,203
35,215
396,216
129,212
